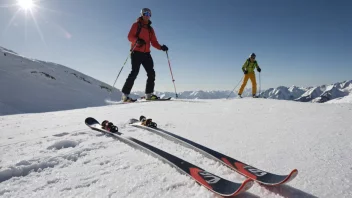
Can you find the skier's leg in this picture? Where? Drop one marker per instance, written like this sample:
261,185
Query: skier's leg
254,83
148,65
136,60
244,82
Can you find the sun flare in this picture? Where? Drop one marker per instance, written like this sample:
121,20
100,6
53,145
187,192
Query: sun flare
30,10
25,4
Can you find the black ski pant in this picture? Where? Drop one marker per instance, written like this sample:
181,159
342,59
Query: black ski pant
138,58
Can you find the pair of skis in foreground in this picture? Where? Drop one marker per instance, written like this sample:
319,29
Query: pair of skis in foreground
213,182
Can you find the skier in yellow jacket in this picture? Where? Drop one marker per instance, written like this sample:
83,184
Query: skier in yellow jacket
248,70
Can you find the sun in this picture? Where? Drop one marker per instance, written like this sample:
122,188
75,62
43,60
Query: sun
25,4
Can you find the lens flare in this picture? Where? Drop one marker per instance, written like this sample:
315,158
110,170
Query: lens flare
25,4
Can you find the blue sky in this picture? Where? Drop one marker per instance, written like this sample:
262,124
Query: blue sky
297,42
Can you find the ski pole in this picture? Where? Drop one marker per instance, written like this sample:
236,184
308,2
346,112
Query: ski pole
234,88
124,64
172,76
260,84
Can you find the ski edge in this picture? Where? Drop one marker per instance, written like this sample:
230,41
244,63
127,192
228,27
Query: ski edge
241,187
288,178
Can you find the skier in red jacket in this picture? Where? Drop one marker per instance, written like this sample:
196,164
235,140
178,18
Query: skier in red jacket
141,36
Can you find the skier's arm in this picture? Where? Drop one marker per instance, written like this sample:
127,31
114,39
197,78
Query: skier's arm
258,68
154,41
244,65
132,34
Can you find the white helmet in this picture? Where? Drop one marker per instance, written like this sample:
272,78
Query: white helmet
146,10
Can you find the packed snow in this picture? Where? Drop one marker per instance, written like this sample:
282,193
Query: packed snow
55,154
33,86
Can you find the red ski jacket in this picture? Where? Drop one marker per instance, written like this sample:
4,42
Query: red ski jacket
146,33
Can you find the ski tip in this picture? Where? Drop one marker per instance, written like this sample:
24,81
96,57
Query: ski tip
133,121
291,176
91,122
239,188
219,185
246,185
287,179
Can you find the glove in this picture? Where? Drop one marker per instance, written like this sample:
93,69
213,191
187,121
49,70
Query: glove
164,48
258,69
140,42
245,72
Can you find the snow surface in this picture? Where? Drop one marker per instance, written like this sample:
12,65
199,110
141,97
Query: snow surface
55,154
33,86
346,99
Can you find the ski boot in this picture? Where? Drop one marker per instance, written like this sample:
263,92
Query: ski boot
127,99
109,126
151,97
147,122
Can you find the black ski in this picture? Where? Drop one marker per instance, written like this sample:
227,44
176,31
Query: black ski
260,176
159,99
212,182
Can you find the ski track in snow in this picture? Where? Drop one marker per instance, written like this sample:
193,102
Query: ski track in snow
55,155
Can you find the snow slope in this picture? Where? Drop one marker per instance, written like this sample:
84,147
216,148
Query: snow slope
54,154
346,99
331,92
32,86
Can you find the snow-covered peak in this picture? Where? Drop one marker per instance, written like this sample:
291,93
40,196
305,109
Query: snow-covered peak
331,92
31,86
283,93
4,51
347,85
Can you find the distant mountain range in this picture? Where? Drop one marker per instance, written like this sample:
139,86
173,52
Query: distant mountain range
319,94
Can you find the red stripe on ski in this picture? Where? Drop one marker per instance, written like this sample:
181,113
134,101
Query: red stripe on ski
241,168
195,174
226,161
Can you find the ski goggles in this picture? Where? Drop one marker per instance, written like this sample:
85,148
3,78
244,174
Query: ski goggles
147,13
